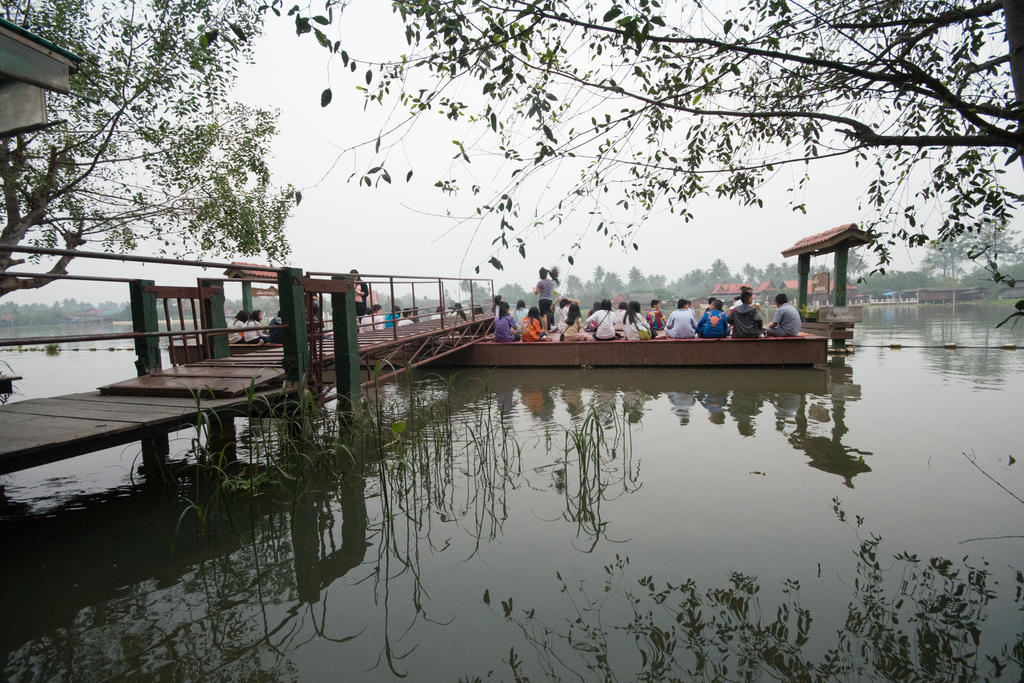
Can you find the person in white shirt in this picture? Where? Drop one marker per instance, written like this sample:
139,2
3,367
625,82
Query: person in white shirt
620,314
681,323
635,326
563,312
602,321
240,322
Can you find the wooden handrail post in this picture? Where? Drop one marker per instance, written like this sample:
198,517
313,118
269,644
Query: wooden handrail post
293,313
346,348
213,316
144,319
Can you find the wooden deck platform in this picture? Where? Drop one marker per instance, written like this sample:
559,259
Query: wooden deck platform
770,351
44,430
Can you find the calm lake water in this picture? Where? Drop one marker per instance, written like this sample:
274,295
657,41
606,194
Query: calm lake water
861,520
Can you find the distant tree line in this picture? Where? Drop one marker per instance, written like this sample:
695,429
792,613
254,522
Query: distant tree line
69,310
952,266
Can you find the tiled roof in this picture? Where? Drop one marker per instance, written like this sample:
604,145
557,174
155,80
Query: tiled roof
242,272
734,288
824,242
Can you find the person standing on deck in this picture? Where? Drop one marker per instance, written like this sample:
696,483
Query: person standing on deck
545,291
786,322
362,292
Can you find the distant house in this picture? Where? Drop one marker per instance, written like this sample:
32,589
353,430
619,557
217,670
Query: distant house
643,297
1011,293
618,299
949,295
822,299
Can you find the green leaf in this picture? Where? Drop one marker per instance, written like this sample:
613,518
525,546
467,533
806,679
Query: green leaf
571,261
398,427
369,76
325,97
408,176
322,20
496,263
298,197
612,13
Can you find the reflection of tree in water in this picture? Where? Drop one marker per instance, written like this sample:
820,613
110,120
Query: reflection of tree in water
828,453
906,619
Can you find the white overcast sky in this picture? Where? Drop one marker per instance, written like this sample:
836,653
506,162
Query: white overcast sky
401,229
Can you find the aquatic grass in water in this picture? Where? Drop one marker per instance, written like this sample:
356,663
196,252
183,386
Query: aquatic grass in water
906,619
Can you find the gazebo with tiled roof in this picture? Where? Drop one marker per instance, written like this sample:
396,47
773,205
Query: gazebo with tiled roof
837,240
239,271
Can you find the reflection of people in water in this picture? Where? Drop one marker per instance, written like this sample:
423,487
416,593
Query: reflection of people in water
633,404
682,403
744,407
538,401
786,407
506,401
572,396
715,405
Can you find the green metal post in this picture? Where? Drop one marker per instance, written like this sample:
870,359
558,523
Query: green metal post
346,347
293,314
803,267
247,296
842,257
213,313
144,319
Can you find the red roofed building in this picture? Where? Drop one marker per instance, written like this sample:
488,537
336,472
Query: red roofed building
733,288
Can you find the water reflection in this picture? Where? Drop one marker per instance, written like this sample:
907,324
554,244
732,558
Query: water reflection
368,567
905,618
809,405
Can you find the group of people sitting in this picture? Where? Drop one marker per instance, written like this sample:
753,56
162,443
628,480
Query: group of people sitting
601,323
250,329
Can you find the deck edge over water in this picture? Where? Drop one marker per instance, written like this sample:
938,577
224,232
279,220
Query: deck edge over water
787,351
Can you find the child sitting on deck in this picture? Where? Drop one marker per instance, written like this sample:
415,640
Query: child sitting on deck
531,329
681,323
635,326
505,329
714,324
655,318
603,322
574,324
520,312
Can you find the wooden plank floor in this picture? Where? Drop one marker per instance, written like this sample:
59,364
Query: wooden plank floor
42,430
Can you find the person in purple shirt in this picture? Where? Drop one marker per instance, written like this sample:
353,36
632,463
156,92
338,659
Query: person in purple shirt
505,329
545,291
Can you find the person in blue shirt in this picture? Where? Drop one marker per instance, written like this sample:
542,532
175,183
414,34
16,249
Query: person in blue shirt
714,324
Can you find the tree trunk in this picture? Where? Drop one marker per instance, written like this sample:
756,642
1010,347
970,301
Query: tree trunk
1014,11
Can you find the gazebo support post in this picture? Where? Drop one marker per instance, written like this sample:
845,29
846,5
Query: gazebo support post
842,258
803,267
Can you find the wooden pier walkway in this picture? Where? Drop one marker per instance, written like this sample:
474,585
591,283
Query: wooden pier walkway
38,431
44,430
